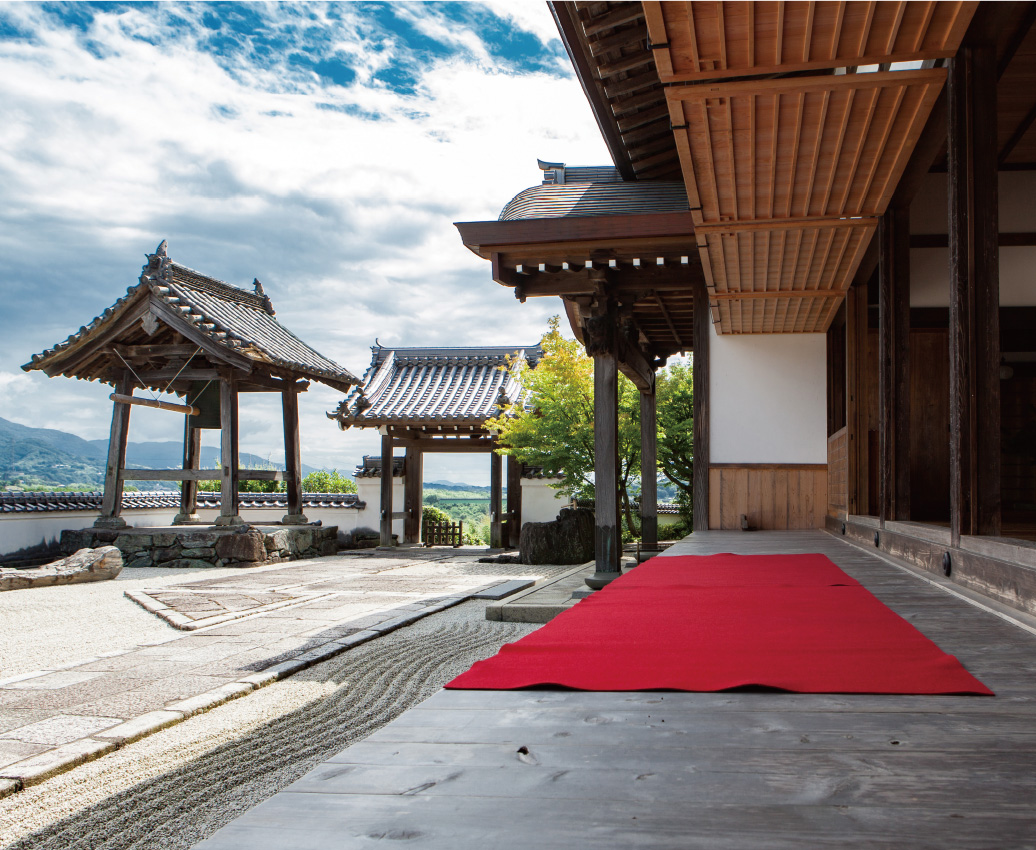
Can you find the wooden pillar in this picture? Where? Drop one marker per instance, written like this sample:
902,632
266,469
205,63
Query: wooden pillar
386,490
111,502
894,366
496,502
228,453
292,456
700,377
514,502
856,398
974,295
648,471
191,461
413,493
599,333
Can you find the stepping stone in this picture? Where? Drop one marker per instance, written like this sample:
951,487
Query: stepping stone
505,589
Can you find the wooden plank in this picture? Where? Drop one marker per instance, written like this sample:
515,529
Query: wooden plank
130,399
111,501
715,521
192,475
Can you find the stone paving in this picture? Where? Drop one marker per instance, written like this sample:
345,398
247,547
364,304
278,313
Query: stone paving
245,632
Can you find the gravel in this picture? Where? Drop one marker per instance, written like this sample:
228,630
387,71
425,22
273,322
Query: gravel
177,787
49,627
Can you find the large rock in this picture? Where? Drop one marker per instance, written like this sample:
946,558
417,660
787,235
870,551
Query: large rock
245,546
85,565
567,540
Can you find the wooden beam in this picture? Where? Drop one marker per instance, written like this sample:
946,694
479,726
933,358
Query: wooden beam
192,475
228,419
191,462
496,502
648,470
700,377
292,456
413,487
776,293
147,352
159,377
386,490
111,501
974,296
607,539
894,365
514,502
451,445
128,399
1004,240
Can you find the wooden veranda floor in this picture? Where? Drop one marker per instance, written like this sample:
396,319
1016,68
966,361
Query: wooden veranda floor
552,769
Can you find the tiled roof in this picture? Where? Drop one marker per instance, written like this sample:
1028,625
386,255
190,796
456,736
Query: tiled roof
536,472
232,318
15,502
436,385
568,200
371,467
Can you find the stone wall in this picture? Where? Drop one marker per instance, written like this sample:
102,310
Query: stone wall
243,546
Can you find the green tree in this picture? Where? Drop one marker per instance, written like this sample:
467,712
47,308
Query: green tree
322,481
555,427
675,390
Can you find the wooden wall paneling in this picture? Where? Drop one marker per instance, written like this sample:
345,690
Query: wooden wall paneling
782,512
929,430
856,399
715,498
772,496
838,473
711,40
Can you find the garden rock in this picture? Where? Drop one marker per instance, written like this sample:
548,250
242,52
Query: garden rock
567,540
85,565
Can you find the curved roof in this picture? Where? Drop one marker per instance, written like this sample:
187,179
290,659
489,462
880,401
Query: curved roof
229,318
424,386
19,502
550,200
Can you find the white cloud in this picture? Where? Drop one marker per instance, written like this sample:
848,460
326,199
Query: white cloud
340,198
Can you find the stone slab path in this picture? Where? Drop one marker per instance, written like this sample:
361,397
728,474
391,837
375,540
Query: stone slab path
246,631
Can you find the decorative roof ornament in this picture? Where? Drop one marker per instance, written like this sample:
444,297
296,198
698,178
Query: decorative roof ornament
267,303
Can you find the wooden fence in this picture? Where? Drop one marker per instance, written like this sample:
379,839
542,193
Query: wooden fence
442,533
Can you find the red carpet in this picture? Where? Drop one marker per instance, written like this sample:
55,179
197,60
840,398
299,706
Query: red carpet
710,623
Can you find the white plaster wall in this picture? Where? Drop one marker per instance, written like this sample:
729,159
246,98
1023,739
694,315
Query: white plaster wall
767,398
369,490
540,502
18,531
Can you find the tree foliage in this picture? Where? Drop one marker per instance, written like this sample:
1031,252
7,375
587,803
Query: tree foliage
322,481
675,390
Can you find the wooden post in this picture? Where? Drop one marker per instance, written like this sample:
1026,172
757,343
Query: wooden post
111,502
700,377
894,366
648,472
599,333
292,456
496,502
974,295
191,460
514,502
228,453
413,490
855,397
386,490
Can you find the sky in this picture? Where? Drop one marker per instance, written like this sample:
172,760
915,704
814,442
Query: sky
325,149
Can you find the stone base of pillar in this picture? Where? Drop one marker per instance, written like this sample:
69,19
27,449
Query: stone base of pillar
294,519
110,522
186,519
229,520
599,579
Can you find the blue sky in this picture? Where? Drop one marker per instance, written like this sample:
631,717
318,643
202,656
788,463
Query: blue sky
323,148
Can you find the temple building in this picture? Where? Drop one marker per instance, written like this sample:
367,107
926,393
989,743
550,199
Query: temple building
830,206
438,400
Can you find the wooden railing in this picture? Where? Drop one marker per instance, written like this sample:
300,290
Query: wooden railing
442,533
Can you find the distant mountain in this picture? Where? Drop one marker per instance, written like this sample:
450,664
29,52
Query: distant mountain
454,485
43,456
